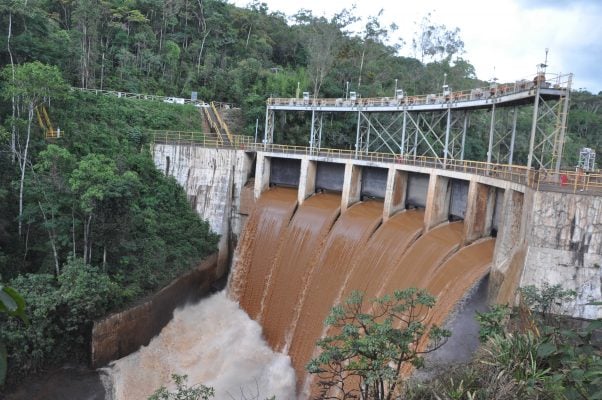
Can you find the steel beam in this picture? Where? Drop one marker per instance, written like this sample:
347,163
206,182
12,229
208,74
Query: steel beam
268,135
533,128
512,138
464,127
491,134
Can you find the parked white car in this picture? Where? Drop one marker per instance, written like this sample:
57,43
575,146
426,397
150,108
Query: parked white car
174,100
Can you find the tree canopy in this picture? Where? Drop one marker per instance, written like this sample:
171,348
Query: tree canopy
87,223
372,342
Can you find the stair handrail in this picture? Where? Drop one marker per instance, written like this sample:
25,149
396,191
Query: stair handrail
222,123
213,124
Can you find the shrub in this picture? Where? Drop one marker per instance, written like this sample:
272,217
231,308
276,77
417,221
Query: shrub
183,391
364,356
541,361
61,312
493,321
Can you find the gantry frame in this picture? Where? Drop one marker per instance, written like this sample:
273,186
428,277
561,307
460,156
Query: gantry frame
436,125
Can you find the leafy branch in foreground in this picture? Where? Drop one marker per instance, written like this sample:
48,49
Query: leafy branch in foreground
366,353
183,391
527,353
11,303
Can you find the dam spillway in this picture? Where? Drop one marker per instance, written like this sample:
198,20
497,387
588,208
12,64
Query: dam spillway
541,235
294,263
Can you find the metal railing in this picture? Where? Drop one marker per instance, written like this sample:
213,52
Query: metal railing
212,124
201,139
563,181
152,97
221,123
557,82
139,96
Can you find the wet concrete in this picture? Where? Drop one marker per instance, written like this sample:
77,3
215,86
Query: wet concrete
465,338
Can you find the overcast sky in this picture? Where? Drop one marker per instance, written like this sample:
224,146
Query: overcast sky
505,39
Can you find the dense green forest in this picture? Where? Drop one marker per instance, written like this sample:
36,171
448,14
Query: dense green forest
99,225
87,223
243,56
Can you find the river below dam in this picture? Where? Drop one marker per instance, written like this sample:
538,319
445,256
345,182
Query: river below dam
215,343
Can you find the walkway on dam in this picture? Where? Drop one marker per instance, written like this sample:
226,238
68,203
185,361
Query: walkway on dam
518,93
564,181
153,97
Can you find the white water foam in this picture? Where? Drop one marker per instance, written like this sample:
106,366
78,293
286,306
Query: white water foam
215,343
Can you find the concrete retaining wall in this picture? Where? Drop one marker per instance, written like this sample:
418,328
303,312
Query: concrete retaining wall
564,237
213,180
125,332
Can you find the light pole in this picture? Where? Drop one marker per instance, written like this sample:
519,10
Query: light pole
347,91
395,92
256,128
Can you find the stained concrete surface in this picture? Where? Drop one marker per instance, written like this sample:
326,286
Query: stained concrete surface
465,334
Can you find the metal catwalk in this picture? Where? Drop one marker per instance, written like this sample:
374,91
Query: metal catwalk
435,125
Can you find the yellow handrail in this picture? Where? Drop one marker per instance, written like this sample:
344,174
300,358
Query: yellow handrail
213,124
45,124
222,123
564,181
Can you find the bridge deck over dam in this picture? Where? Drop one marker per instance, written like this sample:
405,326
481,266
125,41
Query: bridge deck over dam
548,225
519,93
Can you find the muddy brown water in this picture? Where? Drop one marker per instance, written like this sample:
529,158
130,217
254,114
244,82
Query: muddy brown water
315,257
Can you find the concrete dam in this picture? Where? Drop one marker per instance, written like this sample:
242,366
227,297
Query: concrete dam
308,229
302,227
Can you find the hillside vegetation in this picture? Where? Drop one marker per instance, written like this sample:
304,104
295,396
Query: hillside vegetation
100,226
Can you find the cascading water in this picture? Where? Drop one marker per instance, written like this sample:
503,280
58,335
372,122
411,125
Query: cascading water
323,256
345,241
295,262
418,264
258,246
215,343
376,262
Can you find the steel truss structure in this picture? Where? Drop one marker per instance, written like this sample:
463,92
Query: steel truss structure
437,125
